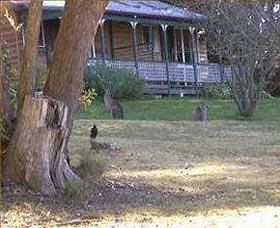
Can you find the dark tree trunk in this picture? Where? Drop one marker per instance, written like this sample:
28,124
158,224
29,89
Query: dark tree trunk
27,78
2,134
77,30
245,90
39,146
246,106
37,151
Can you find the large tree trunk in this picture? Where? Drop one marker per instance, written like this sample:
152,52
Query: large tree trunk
27,77
1,106
77,30
245,90
38,149
246,105
27,70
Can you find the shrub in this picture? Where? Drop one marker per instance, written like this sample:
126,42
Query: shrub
9,74
72,190
122,82
87,97
41,78
90,167
216,91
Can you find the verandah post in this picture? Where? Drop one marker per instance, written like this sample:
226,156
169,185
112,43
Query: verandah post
164,28
135,48
92,50
183,54
183,45
112,41
102,37
194,57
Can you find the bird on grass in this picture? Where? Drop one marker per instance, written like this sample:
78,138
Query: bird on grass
93,132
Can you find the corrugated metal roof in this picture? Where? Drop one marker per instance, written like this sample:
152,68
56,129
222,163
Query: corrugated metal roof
139,8
151,8
53,5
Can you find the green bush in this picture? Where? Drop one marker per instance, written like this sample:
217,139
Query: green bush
89,168
216,91
72,189
91,165
87,97
9,74
41,78
122,82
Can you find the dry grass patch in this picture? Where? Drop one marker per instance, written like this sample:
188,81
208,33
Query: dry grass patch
219,173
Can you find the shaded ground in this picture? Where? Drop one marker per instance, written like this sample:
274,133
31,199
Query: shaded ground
219,173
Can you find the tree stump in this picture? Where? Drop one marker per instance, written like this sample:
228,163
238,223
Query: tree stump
36,156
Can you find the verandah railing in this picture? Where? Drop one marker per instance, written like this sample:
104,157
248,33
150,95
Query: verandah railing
154,73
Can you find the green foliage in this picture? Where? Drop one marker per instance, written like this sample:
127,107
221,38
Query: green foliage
3,132
122,82
87,97
41,79
9,85
91,166
216,91
72,189
5,16
9,73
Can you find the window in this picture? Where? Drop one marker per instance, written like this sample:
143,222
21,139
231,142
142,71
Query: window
187,42
147,36
183,47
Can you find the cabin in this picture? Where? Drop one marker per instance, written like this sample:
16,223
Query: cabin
159,42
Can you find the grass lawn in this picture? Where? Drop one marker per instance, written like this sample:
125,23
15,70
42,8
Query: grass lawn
172,174
182,109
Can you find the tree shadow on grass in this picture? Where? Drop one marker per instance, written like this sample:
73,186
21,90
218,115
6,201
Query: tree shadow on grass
116,198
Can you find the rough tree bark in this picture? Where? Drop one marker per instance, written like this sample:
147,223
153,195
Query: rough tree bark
78,27
39,146
1,106
245,94
37,151
27,77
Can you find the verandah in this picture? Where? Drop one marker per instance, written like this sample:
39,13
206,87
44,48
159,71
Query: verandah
164,53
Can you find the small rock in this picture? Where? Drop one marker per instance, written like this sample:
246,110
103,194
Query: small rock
131,185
